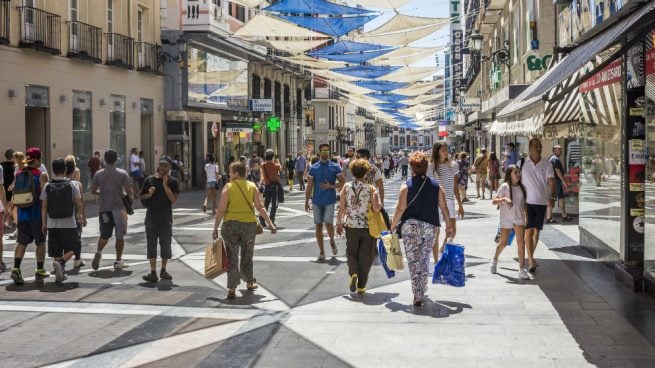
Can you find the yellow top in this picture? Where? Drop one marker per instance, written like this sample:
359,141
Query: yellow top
238,209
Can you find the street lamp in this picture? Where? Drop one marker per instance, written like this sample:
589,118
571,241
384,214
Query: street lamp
501,55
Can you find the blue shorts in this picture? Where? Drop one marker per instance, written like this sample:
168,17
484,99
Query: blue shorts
212,185
323,214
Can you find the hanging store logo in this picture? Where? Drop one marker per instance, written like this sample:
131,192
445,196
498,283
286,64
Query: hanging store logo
273,124
534,63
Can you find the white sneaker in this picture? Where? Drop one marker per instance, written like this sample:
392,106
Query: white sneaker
493,266
59,272
120,264
523,275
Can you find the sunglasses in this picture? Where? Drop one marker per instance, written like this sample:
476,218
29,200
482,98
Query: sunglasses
328,151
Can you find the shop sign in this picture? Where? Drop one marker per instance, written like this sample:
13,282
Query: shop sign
273,124
650,61
456,45
637,152
610,74
261,104
534,63
238,130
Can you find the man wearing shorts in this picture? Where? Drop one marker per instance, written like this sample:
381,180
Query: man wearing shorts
325,174
481,169
539,182
110,183
562,189
29,221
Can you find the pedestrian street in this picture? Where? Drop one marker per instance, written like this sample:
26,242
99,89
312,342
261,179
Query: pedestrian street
571,314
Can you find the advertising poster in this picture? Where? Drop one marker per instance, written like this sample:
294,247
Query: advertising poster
635,155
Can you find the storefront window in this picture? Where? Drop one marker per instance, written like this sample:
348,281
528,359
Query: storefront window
117,129
237,142
600,177
217,81
82,137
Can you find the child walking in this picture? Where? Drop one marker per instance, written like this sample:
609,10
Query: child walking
510,199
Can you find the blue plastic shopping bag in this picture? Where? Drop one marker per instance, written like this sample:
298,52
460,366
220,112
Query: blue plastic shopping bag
382,253
509,240
450,268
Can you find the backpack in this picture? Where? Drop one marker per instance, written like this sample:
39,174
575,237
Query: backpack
24,195
60,199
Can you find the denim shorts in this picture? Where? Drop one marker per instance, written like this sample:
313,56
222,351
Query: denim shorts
212,185
323,214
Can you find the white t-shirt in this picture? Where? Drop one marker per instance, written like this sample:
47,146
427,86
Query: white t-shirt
511,216
535,180
385,164
210,170
135,161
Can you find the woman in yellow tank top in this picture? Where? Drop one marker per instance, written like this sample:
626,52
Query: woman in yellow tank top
236,207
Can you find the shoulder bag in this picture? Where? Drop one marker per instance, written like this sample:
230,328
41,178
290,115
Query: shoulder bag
127,202
260,229
376,223
400,225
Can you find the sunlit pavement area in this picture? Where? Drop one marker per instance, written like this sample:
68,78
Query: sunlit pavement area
571,314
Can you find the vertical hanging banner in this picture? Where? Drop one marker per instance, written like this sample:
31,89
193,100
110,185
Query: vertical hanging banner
456,42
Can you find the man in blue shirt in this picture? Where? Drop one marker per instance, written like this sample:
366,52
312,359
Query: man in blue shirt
512,155
326,174
300,166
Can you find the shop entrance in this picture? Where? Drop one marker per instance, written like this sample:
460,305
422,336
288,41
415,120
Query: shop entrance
37,130
197,155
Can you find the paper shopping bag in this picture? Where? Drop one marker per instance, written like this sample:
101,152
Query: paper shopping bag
216,262
394,253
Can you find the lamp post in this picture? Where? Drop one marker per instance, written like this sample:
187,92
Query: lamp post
501,55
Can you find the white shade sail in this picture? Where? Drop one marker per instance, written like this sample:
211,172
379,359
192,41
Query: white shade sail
419,88
398,38
313,63
295,47
409,74
405,56
385,4
357,90
422,98
268,27
401,22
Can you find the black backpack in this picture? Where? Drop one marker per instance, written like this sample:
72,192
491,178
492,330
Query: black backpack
60,199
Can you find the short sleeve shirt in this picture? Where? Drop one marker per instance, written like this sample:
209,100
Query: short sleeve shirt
134,161
557,165
324,172
358,198
210,171
110,192
514,214
62,223
445,176
160,208
535,179
373,175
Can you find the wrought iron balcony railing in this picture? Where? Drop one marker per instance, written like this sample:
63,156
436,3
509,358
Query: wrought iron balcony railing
4,21
84,41
120,50
147,57
40,30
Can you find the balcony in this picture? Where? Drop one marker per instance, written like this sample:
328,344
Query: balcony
84,42
40,30
203,17
4,21
147,57
120,50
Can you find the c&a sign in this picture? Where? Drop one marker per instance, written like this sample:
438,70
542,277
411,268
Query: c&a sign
535,63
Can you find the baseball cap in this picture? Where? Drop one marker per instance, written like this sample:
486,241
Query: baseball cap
557,146
483,149
33,153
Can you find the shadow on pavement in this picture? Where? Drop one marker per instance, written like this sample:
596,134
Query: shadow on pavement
109,274
162,285
434,309
246,297
44,287
372,298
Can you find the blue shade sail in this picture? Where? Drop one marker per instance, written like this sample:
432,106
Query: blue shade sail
337,26
351,52
391,105
379,85
310,7
387,97
366,71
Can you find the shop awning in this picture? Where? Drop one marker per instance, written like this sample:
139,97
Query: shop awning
530,103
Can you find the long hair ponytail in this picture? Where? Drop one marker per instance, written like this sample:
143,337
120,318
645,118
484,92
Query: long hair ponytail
508,180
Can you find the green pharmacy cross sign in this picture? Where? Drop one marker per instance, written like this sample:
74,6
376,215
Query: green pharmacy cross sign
273,124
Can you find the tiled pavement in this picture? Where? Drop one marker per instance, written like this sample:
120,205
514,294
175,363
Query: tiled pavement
571,314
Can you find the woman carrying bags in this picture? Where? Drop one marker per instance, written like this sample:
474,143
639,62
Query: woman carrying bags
356,198
417,214
240,226
511,201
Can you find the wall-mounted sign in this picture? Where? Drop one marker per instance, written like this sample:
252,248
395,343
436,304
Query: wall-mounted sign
456,45
261,104
650,61
534,44
610,74
535,63
273,124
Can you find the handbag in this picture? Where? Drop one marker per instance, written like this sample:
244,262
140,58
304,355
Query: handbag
450,268
127,201
260,229
509,239
376,223
394,252
216,261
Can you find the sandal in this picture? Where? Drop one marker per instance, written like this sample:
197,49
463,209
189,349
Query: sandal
567,218
204,208
551,221
231,293
418,302
252,286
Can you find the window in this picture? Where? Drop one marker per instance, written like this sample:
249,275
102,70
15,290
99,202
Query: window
82,133
117,119
139,25
73,18
110,16
241,13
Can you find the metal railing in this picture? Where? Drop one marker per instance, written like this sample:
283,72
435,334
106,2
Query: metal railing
40,30
4,21
120,50
147,57
84,41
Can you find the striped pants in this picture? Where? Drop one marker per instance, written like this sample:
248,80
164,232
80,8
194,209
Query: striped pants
418,238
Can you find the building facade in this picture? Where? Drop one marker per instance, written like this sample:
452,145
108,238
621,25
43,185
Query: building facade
77,79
